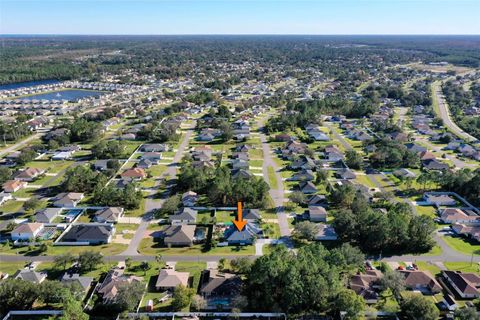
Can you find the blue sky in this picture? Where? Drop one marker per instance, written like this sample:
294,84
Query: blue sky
240,17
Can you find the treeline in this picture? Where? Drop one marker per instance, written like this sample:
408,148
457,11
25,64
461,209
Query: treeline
396,231
389,153
464,182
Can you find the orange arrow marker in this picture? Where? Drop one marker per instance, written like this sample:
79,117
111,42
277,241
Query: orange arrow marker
239,222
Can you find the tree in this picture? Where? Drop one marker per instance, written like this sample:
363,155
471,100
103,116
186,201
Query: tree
198,303
61,261
182,297
322,176
16,294
241,265
43,247
221,264
128,262
418,307
159,260
129,295
111,149
145,266
394,281
353,159
5,174
466,313
305,230
350,302
72,309
169,206
297,197
31,204
26,155
51,292
82,179
89,260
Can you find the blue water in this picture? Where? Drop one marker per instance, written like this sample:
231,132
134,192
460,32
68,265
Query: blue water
73,212
70,95
26,84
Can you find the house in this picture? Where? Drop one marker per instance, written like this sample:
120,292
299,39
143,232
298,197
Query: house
67,199
304,163
62,155
247,236
4,197
155,147
30,276
26,231
184,216
29,174
206,137
404,173
47,215
179,235
113,282
366,285
435,165
283,138
109,215
240,164
169,279
134,173
144,164
317,200
469,231
456,215
92,233
465,285
83,282
13,185
243,148
318,135
100,165
220,285
153,157
189,199
241,174
415,148
240,155
421,280
251,214
333,156
325,233
307,187
426,155
345,174
317,214
304,175
439,199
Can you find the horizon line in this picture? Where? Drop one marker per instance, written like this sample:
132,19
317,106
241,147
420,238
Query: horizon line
239,34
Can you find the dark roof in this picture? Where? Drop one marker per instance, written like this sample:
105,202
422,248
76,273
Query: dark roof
86,232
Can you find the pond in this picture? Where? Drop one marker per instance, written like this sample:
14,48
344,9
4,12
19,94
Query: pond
70,95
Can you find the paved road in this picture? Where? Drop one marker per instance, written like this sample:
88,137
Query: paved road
19,144
444,113
152,203
334,131
276,192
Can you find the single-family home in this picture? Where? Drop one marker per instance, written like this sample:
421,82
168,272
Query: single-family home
179,235
189,199
134,173
456,215
317,214
112,284
4,197
345,174
30,276
307,187
303,175
83,282
439,199
109,214
421,280
183,216
67,199
326,233
169,279
26,231
91,233
154,147
13,185
465,284
247,236
29,174
220,285
367,285
47,215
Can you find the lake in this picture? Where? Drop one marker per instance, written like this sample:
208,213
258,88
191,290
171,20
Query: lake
28,84
70,95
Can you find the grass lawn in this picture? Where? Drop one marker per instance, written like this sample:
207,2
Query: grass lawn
462,245
365,180
460,266
150,247
11,206
272,178
11,267
136,212
425,266
157,170
225,216
427,211
125,226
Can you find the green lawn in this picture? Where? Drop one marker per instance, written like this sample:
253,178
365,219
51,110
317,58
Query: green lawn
272,178
137,212
462,245
427,211
463,266
149,247
365,180
225,216
11,267
425,266
11,206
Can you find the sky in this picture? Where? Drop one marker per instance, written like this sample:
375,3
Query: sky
240,17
